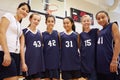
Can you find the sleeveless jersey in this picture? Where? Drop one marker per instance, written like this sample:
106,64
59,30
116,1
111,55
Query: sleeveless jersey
51,50
70,59
87,50
33,53
104,49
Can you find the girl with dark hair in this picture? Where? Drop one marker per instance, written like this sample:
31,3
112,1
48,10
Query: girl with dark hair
70,59
108,45
72,21
10,33
51,50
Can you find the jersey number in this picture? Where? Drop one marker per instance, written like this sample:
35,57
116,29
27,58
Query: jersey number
69,44
52,43
88,42
37,43
100,40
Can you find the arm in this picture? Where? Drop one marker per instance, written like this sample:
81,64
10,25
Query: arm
78,40
59,40
116,50
3,41
78,43
22,53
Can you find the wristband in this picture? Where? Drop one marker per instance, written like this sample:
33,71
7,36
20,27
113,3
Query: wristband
115,62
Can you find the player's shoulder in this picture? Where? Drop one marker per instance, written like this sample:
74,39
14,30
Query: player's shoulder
62,33
25,30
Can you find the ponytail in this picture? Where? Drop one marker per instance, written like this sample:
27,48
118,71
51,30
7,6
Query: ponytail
29,25
73,27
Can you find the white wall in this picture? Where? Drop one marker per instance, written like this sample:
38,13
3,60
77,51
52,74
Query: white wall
42,26
11,5
115,17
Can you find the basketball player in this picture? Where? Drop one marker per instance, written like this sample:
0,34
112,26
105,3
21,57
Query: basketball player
51,50
70,60
32,60
107,52
88,39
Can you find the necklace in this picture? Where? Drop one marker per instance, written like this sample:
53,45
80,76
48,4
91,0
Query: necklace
18,35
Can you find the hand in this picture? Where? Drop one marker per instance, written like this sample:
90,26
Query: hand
6,60
24,67
114,66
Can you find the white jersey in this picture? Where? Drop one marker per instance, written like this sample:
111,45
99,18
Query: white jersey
13,34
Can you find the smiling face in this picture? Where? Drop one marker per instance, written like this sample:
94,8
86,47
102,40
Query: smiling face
35,19
102,19
86,21
50,22
22,11
67,24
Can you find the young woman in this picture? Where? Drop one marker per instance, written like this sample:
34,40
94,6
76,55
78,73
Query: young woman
51,50
10,34
70,60
32,59
88,40
107,52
